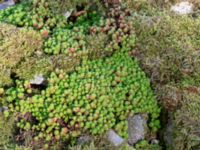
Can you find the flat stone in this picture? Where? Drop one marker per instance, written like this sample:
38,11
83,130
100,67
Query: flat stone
6,4
114,138
85,139
38,80
137,128
68,13
182,8
169,132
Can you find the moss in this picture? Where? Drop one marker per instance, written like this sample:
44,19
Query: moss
187,120
168,50
32,66
102,146
6,130
139,6
15,46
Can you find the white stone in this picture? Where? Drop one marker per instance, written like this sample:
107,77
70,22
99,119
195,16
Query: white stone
182,8
10,2
68,14
114,138
38,80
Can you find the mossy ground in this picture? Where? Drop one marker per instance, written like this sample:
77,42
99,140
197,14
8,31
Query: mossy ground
167,47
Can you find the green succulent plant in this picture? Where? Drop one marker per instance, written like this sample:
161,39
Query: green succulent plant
35,14
66,41
97,96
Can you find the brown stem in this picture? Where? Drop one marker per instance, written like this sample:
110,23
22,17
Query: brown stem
79,13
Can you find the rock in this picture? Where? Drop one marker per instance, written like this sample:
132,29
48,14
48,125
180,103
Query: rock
154,141
114,138
68,14
6,4
169,133
137,128
38,80
182,8
3,109
85,139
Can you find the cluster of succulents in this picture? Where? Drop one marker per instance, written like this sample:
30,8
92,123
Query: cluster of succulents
97,96
86,20
66,41
144,145
118,27
43,17
36,14
17,15
71,39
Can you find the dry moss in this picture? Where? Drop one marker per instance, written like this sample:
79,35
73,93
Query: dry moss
15,46
33,66
168,47
6,130
21,55
187,121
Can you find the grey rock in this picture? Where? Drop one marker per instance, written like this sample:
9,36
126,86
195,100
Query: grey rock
154,141
85,139
3,109
169,133
6,4
137,128
38,80
114,138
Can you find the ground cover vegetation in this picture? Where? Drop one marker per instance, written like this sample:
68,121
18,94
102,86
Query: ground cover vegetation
97,62
96,46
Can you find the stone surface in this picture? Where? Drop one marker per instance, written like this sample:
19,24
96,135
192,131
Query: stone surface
68,14
85,139
6,4
3,109
114,138
154,141
38,80
137,128
169,132
182,8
